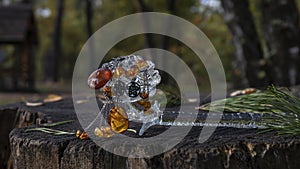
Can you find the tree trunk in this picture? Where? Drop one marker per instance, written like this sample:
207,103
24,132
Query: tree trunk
163,42
281,29
6,2
52,64
249,54
172,10
89,17
143,8
89,29
227,148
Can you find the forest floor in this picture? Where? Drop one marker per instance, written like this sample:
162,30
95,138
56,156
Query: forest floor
43,89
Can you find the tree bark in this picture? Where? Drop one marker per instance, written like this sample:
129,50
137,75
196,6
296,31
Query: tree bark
249,54
281,30
227,148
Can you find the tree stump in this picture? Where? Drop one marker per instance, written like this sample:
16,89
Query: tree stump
226,148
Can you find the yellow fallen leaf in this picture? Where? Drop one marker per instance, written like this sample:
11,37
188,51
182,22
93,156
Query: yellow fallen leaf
52,98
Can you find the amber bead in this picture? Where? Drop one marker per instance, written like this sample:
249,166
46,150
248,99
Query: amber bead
119,72
107,91
78,133
99,78
141,63
103,132
132,71
118,119
82,135
145,103
144,95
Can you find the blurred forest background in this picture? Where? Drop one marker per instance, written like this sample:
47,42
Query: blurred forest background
257,40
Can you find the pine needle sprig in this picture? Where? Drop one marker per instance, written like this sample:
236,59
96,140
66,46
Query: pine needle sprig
242,103
286,119
57,123
50,131
280,109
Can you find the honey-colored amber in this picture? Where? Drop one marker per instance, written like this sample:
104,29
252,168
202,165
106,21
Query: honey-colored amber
145,103
107,91
99,78
144,95
141,63
82,135
104,132
120,71
78,133
118,119
132,71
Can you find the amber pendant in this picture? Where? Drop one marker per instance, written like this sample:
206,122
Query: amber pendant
117,119
99,78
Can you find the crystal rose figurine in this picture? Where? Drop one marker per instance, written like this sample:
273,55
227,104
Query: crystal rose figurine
129,82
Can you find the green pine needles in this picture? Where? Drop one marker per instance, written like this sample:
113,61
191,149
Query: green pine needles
280,109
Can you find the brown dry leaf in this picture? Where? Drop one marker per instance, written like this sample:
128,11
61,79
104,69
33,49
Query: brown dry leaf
245,91
52,98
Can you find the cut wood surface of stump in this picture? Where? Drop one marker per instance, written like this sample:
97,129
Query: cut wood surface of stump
226,148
